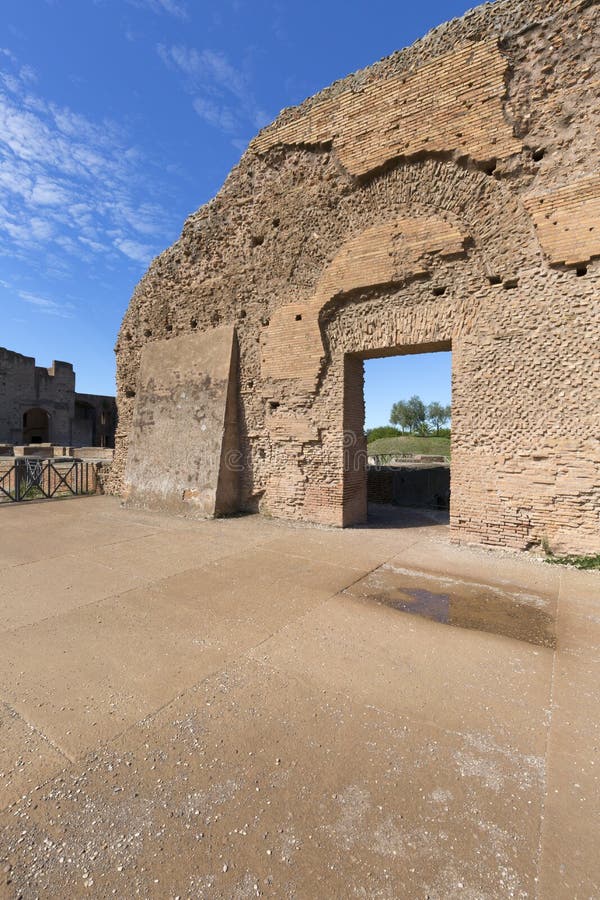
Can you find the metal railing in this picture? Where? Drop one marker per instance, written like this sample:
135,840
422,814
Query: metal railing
388,459
45,479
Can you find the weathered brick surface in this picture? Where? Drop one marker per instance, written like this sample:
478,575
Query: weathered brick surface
292,345
567,221
398,211
451,103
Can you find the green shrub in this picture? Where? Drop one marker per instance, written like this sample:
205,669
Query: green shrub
579,562
383,431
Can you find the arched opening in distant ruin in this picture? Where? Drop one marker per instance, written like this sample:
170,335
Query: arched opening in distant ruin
36,426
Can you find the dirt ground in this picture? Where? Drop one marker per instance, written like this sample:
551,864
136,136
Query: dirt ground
244,708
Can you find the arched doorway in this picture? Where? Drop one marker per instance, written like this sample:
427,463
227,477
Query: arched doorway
36,426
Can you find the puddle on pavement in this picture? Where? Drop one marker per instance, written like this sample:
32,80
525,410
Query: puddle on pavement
465,605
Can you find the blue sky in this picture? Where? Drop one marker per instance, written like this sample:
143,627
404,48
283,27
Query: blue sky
118,118
395,378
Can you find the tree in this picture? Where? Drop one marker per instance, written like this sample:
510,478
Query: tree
438,415
408,413
400,415
416,412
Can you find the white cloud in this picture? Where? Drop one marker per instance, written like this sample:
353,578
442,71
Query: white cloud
47,192
221,117
69,185
93,245
28,75
33,231
172,7
46,306
141,253
222,93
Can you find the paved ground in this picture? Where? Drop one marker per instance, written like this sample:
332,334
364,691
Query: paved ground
244,708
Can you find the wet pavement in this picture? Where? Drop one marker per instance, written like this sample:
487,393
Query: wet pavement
244,708
464,604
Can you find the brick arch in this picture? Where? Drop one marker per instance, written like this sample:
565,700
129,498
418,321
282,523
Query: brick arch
382,254
398,222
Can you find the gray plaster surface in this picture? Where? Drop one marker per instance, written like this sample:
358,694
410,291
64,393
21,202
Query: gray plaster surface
244,707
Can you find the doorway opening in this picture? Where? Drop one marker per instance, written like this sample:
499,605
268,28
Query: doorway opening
84,425
407,433
36,426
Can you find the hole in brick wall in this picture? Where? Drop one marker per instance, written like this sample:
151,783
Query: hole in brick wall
494,279
538,154
580,271
257,239
242,313
299,317
407,423
510,284
147,332
439,291
169,327
274,404
129,392
490,167
193,323
261,453
276,222
128,336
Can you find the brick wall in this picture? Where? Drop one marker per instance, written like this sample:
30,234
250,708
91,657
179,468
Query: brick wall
446,197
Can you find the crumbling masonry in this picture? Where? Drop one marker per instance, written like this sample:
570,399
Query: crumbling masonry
447,197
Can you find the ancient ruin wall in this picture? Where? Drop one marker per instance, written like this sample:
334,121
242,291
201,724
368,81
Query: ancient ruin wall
446,197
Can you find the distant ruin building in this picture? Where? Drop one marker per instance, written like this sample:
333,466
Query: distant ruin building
41,406
446,198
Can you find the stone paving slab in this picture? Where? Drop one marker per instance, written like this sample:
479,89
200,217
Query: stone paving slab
568,865
306,794
44,589
236,708
417,668
27,757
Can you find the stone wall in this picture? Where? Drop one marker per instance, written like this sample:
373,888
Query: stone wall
185,413
445,198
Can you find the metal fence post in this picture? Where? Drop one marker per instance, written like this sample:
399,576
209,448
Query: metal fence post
17,479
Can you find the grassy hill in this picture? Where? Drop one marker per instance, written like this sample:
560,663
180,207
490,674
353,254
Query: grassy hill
412,443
